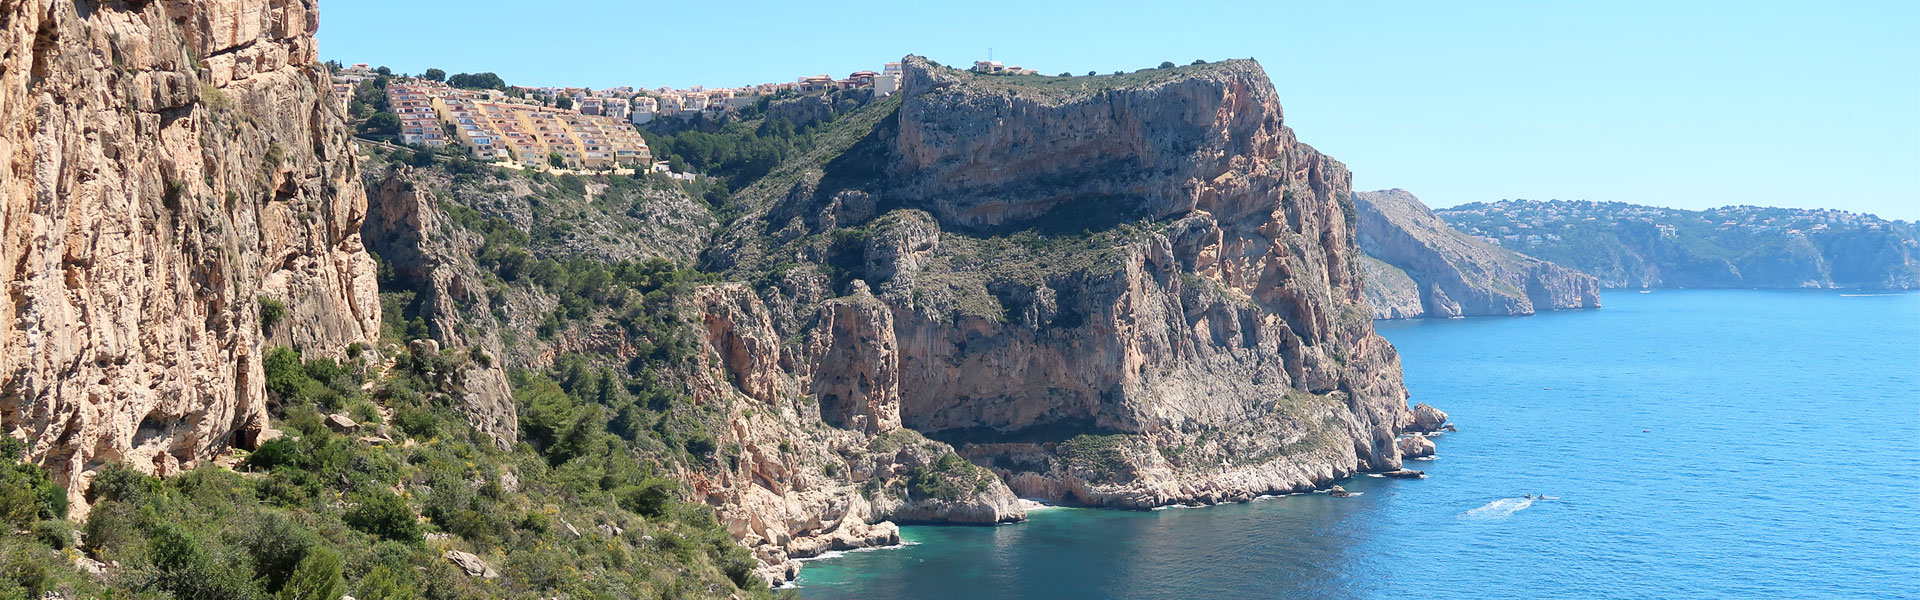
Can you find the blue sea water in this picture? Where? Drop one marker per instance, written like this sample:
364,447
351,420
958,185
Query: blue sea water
1699,444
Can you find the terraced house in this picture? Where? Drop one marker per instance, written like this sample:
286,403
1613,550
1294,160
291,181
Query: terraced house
493,127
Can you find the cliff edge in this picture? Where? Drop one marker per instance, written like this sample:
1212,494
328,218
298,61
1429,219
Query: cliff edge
1126,291
1418,266
180,194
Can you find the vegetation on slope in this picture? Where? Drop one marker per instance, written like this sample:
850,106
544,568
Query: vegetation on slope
578,511
1733,246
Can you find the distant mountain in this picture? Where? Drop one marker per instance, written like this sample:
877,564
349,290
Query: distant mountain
1628,245
1417,266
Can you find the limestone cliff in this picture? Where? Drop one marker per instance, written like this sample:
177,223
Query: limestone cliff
1132,291
1420,267
433,261
171,166
1129,291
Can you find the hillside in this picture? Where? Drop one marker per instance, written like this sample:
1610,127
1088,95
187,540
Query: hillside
1417,266
1627,245
254,358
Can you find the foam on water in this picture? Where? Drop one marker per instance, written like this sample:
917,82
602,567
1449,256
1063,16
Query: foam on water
831,554
1498,509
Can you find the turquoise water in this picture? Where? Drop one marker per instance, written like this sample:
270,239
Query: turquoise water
1716,444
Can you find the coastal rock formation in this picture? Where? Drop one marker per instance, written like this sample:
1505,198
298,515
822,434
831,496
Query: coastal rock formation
1125,291
173,167
1133,292
1630,245
1427,419
1416,446
1420,267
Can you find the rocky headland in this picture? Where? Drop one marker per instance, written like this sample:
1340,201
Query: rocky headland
1636,246
1418,266
1122,291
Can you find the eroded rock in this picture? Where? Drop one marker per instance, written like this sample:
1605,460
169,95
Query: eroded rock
471,564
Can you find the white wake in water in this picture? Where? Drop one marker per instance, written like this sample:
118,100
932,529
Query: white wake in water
1498,509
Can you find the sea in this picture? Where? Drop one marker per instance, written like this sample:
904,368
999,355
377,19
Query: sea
1674,444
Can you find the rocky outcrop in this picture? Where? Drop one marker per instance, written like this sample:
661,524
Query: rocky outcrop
1123,291
1421,267
435,261
171,166
822,470
471,564
1427,419
1416,446
1139,292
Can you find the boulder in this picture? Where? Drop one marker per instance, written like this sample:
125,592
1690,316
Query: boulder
1405,474
1428,418
1338,492
471,564
1416,446
342,423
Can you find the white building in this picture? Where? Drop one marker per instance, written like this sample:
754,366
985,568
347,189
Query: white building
885,84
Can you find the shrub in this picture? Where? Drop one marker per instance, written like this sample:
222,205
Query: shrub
382,584
278,546
1102,455
419,423
57,533
27,576
949,478
317,578
180,564
286,377
651,498
1166,64
11,449
381,513
275,453
28,495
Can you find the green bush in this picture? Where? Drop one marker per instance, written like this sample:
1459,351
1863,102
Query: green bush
28,494
1102,455
275,453
419,423
381,513
651,498
318,577
271,312
57,533
382,584
180,563
948,478
277,545
28,576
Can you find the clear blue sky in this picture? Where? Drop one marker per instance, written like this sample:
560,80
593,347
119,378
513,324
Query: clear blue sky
1683,104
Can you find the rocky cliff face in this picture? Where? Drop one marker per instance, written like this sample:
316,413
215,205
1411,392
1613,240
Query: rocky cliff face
170,165
1127,291
1421,267
433,260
